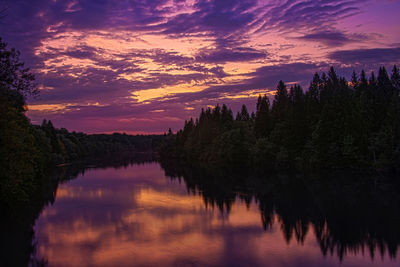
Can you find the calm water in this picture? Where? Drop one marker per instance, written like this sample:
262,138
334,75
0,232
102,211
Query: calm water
138,216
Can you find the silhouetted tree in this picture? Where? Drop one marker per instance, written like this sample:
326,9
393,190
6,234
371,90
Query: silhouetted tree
243,115
263,122
335,124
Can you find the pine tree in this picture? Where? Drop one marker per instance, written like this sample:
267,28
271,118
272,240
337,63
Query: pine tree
395,78
226,117
281,103
262,124
243,115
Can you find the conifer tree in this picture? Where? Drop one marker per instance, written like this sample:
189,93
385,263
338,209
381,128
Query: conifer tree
262,124
280,103
243,115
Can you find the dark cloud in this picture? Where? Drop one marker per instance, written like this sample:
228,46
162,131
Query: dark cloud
333,38
81,52
266,77
227,22
82,73
329,38
374,56
168,58
316,20
224,55
299,15
216,18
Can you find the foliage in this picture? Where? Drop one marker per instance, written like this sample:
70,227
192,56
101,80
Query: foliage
334,124
26,150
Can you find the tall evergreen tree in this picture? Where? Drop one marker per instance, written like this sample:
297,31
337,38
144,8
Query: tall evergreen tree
243,115
395,79
335,124
280,103
262,124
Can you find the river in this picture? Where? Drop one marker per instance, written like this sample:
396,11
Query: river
137,215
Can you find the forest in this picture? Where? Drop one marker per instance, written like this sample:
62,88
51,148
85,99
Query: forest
335,124
27,151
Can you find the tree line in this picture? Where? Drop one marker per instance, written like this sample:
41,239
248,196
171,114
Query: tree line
27,150
335,124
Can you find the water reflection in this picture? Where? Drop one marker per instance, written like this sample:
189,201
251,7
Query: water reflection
138,216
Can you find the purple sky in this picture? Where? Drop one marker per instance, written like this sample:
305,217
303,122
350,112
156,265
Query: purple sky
144,66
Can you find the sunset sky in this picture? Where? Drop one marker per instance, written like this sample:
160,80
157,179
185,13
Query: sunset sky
144,66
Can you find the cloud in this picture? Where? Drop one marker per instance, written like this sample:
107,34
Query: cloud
264,78
373,56
223,55
213,18
81,52
333,38
137,56
295,14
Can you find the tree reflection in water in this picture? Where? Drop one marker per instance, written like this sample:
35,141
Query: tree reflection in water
347,213
346,216
17,243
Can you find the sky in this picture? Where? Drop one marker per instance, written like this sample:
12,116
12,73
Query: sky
143,66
